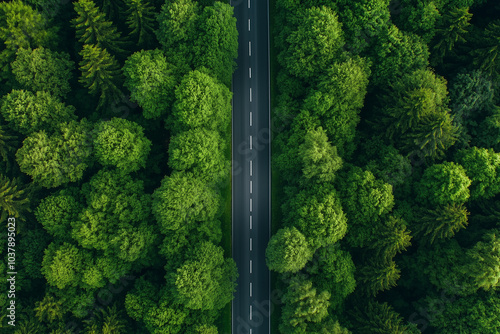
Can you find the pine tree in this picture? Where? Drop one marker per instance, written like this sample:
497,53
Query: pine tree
453,29
378,317
487,58
141,21
393,239
442,222
100,74
93,28
7,144
376,276
49,309
13,199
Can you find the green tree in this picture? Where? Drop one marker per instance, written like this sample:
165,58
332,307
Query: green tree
141,22
100,74
442,222
217,42
201,101
415,114
302,305
30,248
319,157
482,166
420,19
201,152
49,309
442,184
151,81
177,31
483,262
14,199
377,275
486,56
452,29
317,214
206,281
377,317
183,199
121,143
92,28
106,320
58,159
338,99
393,238
364,199
287,251
7,144
63,265
29,112
334,273
57,212
41,69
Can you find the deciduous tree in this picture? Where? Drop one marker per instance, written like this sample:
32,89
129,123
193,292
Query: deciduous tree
287,251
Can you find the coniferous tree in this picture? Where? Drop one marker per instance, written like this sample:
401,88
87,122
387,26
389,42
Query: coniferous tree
393,238
13,198
93,28
49,309
487,56
100,74
141,21
377,275
378,317
453,28
442,222
7,144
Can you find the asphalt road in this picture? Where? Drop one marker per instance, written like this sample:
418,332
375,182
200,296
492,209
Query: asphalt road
251,169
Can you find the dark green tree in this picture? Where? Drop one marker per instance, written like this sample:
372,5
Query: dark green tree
49,309
486,56
393,238
92,28
7,144
41,69
377,317
377,275
287,251
29,112
100,74
121,143
14,198
452,29
151,81
141,22
442,222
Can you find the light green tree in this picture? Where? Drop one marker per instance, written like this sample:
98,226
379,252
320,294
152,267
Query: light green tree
288,251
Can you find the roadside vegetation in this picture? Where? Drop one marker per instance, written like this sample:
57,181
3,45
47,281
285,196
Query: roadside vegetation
388,154
115,162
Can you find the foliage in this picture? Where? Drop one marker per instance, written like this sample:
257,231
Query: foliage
141,21
151,81
287,251
313,44
201,101
317,214
14,198
206,280
49,309
377,317
393,238
183,199
377,275
121,143
29,112
442,222
100,74
57,159
443,184
41,69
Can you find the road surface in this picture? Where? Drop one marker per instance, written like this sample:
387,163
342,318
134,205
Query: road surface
251,169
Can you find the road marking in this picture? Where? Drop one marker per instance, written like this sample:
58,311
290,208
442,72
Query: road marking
250,289
248,24
250,94
250,312
251,244
250,266
250,222
251,186
250,72
250,141
250,205
250,167
250,331
249,48
248,3
251,118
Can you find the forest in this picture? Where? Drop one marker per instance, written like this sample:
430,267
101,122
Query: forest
115,166
388,165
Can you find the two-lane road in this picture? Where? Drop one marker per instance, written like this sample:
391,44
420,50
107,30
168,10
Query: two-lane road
251,169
